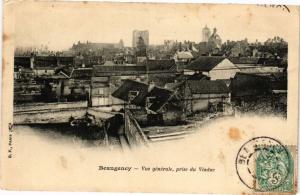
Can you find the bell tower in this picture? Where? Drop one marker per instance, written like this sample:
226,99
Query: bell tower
205,34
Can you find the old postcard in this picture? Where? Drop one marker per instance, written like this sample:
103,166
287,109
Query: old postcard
150,97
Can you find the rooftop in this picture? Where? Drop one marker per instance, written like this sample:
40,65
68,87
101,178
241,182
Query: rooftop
129,85
154,65
159,96
184,55
207,86
205,63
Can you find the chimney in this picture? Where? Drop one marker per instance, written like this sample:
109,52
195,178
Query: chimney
151,86
32,61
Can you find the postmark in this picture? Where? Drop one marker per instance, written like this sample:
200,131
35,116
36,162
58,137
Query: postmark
264,164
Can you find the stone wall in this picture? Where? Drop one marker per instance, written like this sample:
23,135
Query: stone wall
133,131
49,106
48,116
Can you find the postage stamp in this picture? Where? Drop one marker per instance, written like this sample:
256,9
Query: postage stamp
264,164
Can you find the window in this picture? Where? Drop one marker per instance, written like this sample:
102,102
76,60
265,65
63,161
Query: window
132,95
101,91
150,101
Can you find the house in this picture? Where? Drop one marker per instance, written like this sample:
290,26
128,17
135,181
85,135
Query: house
80,84
201,95
109,63
50,61
82,73
116,74
260,92
23,73
64,71
79,61
65,60
259,69
100,93
91,60
53,89
75,73
73,83
244,60
206,95
278,81
28,91
119,70
183,57
132,92
23,61
161,71
162,79
43,61
248,87
154,66
159,105
141,59
213,67
203,49
44,70
278,87
257,65
119,59
196,76
130,59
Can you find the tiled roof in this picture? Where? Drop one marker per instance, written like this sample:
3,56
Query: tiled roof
66,71
44,68
205,63
82,73
245,84
160,95
130,85
23,61
45,60
196,76
173,86
161,79
207,86
66,60
278,81
26,70
101,70
154,65
184,55
109,63
243,60
269,61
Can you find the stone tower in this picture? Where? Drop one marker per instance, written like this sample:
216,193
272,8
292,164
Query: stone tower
205,34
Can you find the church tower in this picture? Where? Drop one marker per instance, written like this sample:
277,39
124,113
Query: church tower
205,34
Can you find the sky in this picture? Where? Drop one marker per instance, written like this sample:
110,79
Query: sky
59,24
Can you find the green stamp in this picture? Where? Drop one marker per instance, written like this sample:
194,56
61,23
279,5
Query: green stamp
274,169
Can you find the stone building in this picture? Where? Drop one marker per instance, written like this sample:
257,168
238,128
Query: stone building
136,34
205,34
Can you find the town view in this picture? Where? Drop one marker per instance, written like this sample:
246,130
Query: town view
122,97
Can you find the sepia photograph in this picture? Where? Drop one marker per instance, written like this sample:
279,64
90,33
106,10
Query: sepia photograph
146,87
